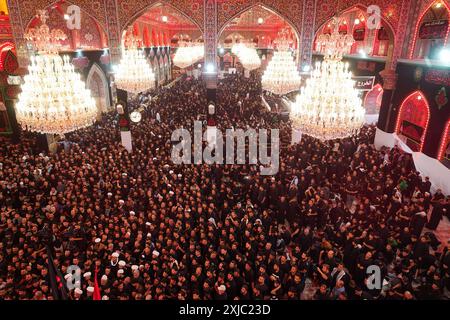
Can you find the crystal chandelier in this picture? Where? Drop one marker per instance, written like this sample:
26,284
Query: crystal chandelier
329,106
54,99
236,48
187,54
281,75
134,74
248,56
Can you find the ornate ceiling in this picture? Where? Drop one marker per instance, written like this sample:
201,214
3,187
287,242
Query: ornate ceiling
166,17
174,18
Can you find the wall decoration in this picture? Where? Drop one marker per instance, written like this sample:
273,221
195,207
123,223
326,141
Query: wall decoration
441,98
80,63
412,121
418,73
441,77
327,8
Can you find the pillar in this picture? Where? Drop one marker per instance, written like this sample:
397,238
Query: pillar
18,31
388,111
210,35
389,84
113,29
307,33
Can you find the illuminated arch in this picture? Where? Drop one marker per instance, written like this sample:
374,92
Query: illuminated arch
4,48
419,22
97,80
377,92
265,7
140,12
84,9
414,112
445,141
362,11
56,5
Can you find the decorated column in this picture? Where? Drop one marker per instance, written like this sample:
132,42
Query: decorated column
210,37
18,31
113,29
389,75
9,89
307,35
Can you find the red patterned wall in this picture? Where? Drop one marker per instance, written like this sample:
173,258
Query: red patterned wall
287,9
130,10
90,36
390,9
95,8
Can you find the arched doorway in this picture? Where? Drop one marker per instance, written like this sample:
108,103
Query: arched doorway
372,100
98,84
431,31
412,120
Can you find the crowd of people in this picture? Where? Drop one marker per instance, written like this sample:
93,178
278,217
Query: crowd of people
144,228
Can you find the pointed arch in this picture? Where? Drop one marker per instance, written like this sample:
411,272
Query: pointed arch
413,118
97,82
385,23
419,22
130,20
374,96
445,142
295,28
91,27
93,9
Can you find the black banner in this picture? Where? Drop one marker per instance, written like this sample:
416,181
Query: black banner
359,34
364,83
433,29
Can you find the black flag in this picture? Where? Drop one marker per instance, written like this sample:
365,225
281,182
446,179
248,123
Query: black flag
57,281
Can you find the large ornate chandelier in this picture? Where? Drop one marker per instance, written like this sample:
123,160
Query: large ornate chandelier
281,75
187,54
134,74
247,55
54,99
329,106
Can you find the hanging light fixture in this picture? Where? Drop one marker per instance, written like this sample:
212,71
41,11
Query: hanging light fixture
134,74
54,99
329,106
249,57
188,54
281,75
